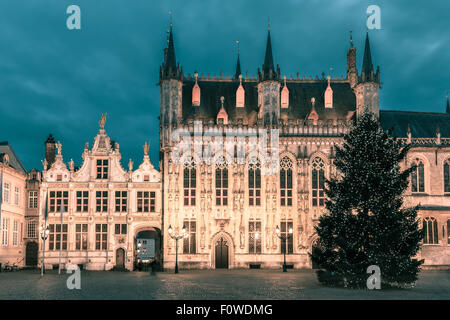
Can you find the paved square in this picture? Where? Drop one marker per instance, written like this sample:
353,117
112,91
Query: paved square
206,284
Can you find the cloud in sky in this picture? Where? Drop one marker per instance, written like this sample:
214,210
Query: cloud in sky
60,81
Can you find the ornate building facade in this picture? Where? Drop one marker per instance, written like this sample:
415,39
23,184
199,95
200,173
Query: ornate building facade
13,178
96,213
241,157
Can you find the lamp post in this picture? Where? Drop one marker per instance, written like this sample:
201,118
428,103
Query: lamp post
284,238
44,235
176,238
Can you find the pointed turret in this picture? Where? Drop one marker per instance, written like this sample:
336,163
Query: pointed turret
368,86
367,73
169,68
352,72
238,64
268,69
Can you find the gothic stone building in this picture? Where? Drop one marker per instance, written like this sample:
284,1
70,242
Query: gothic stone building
106,209
231,201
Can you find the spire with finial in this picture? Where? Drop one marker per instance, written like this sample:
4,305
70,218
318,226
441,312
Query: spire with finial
268,69
169,68
352,72
367,72
238,63
351,38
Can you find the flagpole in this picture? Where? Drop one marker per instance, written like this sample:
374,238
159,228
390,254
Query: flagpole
44,235
61,209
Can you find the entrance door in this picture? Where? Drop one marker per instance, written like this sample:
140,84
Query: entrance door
31,254
221,254
120,258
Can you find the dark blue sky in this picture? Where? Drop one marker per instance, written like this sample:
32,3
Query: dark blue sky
60,81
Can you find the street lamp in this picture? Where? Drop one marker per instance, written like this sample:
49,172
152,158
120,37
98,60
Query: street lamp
44,235
284,237
176,238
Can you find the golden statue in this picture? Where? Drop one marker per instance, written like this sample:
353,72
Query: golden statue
102,121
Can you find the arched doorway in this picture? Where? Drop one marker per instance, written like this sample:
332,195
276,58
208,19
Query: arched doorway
148,248
221,253
31,254
120,258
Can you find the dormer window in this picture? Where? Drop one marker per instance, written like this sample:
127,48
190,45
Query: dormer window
196,92
146,177
102,169
285,95
240,94
222,116
59,177
329,95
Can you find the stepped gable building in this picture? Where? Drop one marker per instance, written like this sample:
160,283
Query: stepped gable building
12,207
231,205
106,208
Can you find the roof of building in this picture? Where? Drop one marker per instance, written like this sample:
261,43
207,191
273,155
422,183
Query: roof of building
14,162
300,94
421,124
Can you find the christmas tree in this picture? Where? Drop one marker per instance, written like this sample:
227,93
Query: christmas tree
366,222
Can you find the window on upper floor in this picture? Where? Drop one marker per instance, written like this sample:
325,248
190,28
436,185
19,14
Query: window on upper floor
448,231
447,175
221,183
101,201
102,168
418,176
286,182
6,192
254,182
430,228
32,199
318,180
58,199
121,201
82,201
16,196
146,201
189,183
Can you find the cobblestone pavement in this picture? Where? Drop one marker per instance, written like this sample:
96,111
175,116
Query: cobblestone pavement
206,284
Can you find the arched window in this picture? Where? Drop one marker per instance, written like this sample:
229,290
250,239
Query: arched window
221,183
189,182
430,231
254,182
318,179
418,177
286,182
447,176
